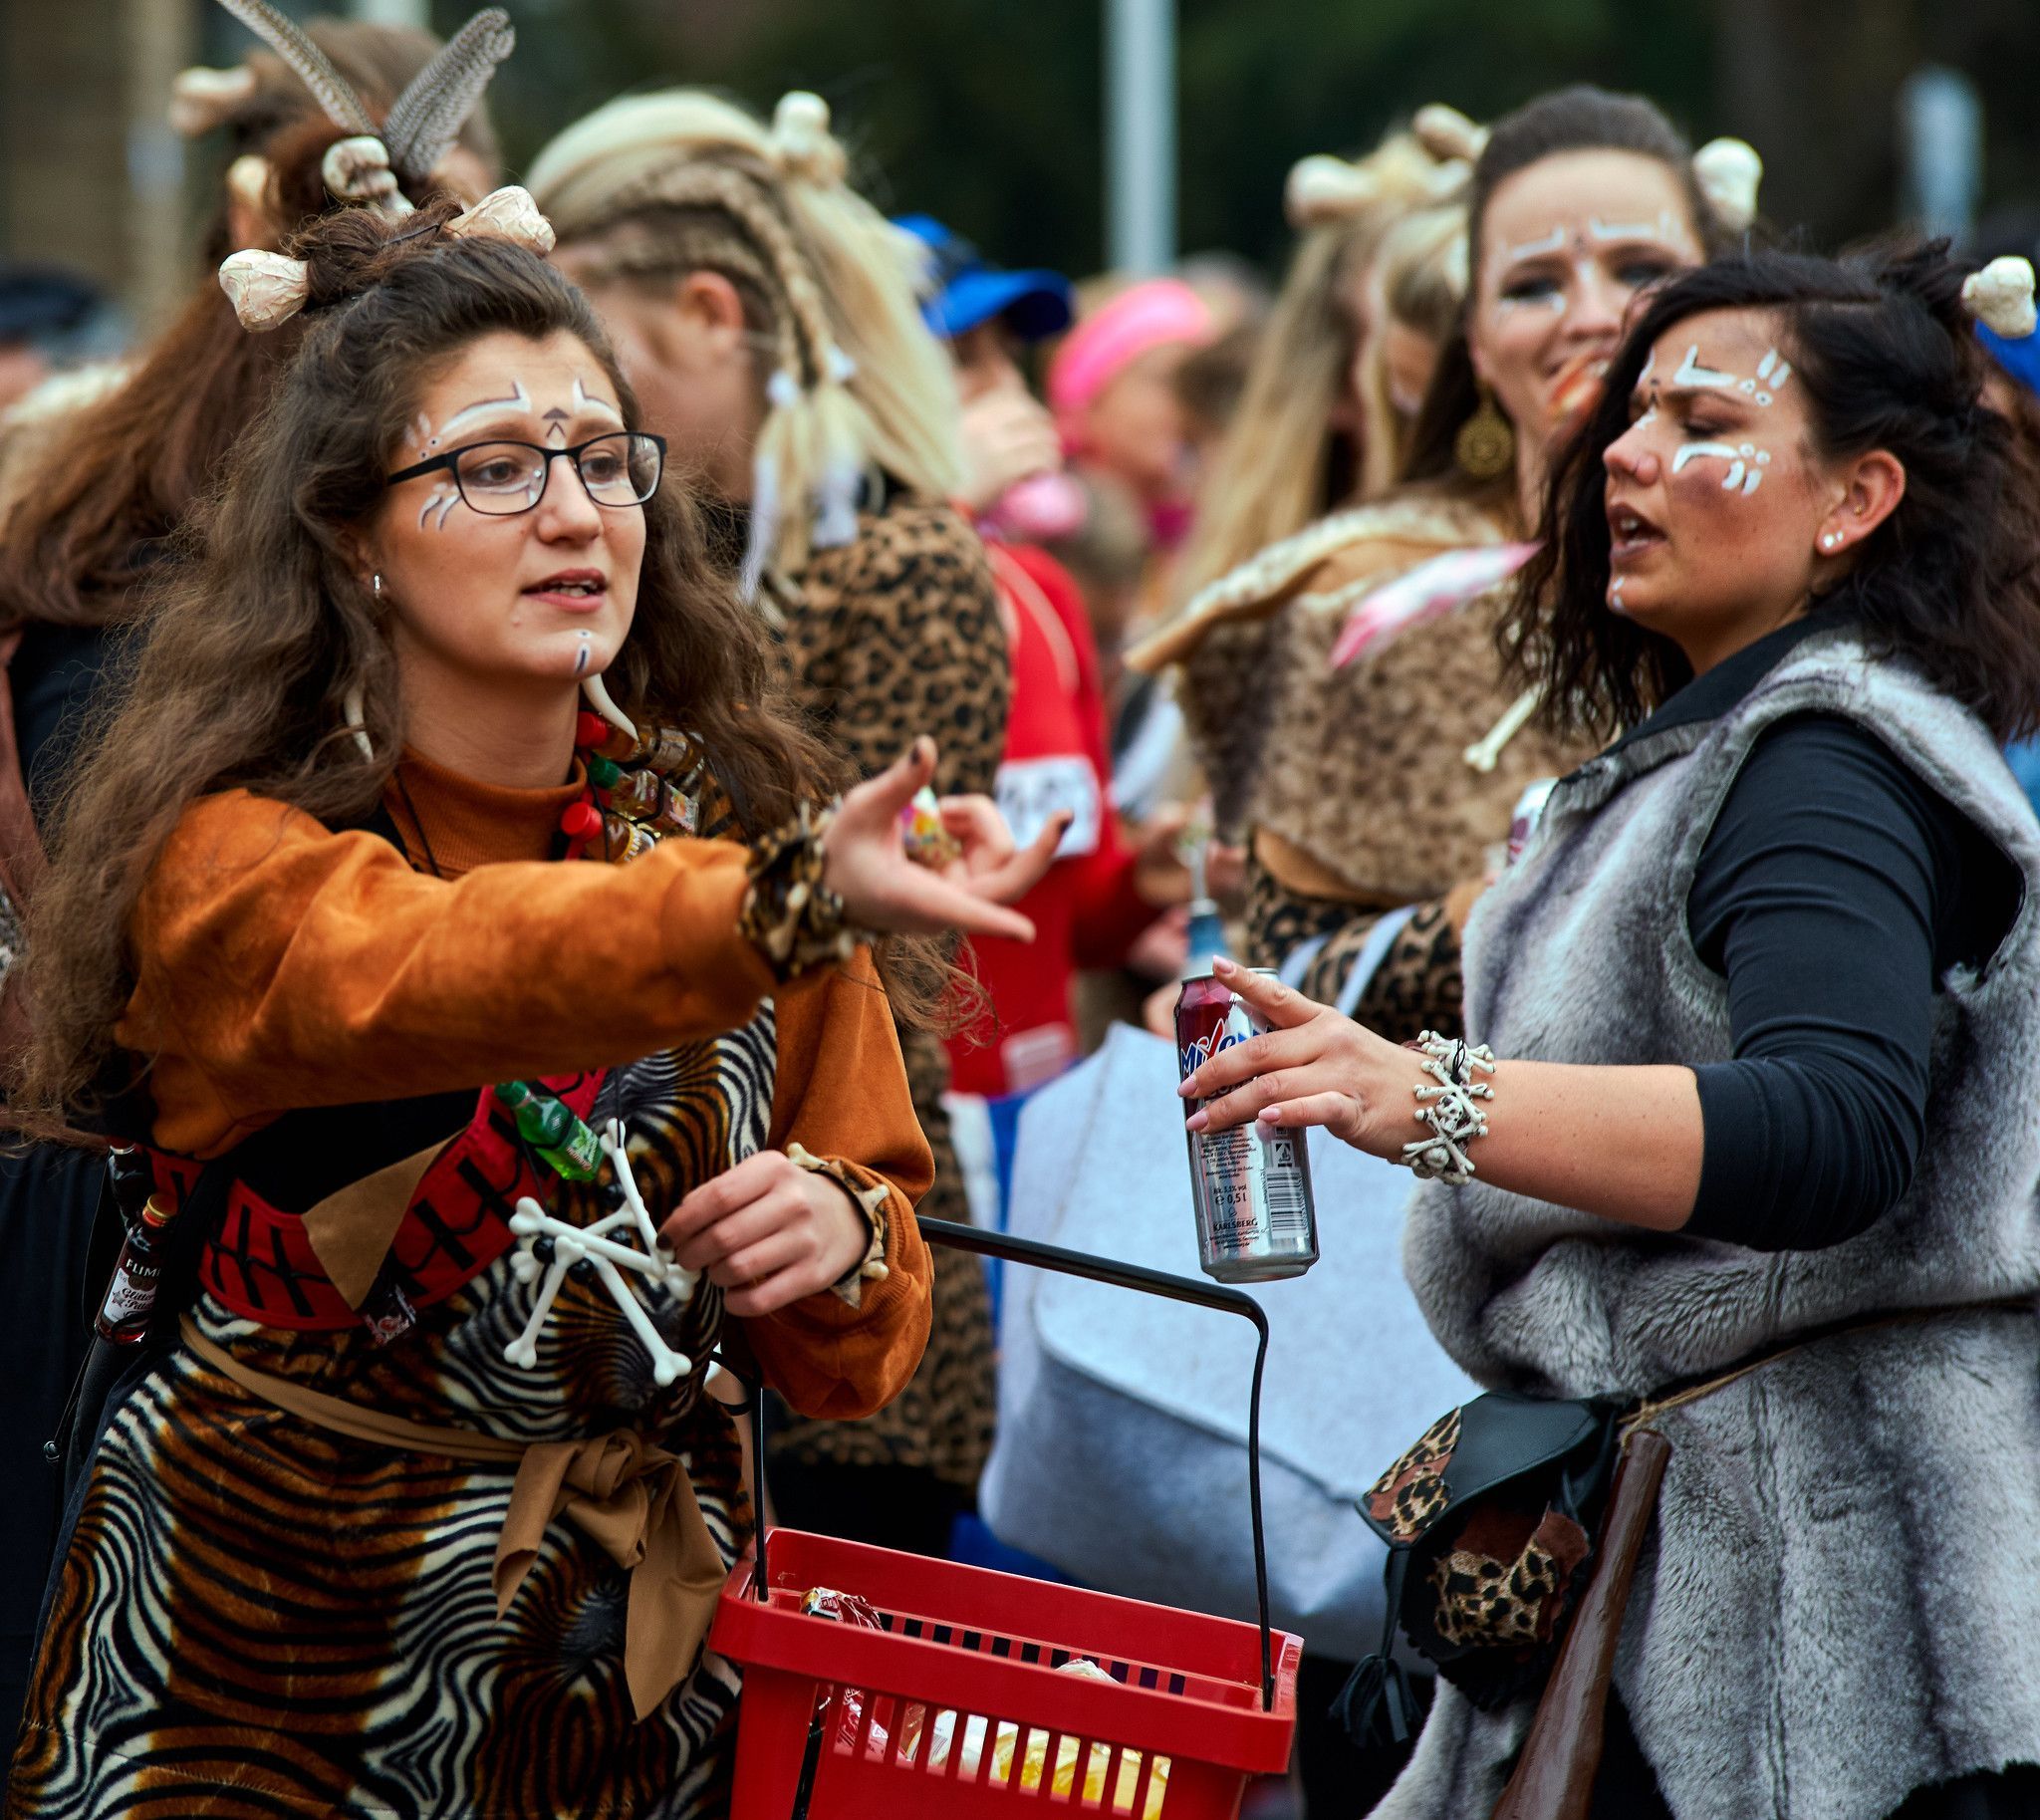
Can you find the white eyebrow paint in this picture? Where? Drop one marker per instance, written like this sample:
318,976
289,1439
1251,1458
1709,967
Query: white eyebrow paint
1553,242
519,399
1663,228
1691,372
584,399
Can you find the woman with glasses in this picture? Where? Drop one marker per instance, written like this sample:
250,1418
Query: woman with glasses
448,917
765,311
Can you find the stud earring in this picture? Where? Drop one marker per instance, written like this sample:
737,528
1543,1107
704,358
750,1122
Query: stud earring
1829,540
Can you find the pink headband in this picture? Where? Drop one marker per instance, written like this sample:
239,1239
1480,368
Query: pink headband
1156,314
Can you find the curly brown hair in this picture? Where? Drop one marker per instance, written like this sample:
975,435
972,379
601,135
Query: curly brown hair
254,640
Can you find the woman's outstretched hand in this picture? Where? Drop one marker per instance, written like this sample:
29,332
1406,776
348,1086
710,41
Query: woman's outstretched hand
865,860
1312,1065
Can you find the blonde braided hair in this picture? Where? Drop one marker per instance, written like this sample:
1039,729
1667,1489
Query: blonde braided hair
685,180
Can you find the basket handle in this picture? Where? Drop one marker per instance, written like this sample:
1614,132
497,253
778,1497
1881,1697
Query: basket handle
1125,1276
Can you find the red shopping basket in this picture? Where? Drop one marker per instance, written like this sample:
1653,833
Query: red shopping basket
962,1704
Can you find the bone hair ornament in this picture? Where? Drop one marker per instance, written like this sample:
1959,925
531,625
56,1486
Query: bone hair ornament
203,98
1730,173
268,289
801,143
554,1246
1449,1108
2000,297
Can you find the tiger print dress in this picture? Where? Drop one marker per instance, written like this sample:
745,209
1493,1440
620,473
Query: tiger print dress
255,1616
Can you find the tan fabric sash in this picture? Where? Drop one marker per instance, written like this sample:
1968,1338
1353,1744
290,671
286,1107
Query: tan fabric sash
351,1229
632,1499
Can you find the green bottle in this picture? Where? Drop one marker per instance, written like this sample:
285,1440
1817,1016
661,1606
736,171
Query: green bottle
550,1127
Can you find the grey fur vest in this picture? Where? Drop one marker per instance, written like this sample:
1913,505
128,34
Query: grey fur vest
1841,1599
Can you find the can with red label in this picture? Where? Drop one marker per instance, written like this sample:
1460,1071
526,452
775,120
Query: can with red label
1252,1185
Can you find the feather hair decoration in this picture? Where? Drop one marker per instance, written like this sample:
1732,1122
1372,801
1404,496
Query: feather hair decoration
437,102
331,90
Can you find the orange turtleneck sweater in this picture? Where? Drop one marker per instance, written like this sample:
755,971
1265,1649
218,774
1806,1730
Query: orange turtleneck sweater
280,965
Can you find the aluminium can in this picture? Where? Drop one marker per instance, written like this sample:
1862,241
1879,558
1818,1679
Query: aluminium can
1252,1185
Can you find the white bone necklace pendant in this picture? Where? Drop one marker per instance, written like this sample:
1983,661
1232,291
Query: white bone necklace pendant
549,1248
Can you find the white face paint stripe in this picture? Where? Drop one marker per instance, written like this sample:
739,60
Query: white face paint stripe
445,496
584,399
1553,242
1663,228
1694,451
1691,372
1766,364
519,399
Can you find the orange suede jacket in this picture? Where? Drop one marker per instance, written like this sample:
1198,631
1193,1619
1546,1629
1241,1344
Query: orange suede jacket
281,965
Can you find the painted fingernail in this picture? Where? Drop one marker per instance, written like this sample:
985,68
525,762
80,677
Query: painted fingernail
1185,1091
1198,1119
1219,964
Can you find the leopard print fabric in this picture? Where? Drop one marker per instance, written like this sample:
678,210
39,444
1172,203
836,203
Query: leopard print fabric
1361,768
1498,1589
895,634
1418,984
1407,1498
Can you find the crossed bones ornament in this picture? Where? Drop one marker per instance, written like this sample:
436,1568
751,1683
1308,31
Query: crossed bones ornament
553,1248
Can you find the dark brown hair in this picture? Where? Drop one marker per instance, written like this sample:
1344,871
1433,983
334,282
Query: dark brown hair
255,640
1886,355
115,482
1577,119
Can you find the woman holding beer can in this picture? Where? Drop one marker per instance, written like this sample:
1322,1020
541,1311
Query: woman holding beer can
1747,1148
1341,682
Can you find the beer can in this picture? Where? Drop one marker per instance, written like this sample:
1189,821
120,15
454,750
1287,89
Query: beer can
1252,1185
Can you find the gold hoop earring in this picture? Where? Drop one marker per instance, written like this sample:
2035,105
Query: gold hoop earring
1485,447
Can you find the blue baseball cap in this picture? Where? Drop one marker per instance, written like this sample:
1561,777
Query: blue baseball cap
969,291
2020,359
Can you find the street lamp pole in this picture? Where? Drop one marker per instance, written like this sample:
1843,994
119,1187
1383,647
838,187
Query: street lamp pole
393,12
1139,54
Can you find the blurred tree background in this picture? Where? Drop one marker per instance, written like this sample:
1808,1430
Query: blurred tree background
987,114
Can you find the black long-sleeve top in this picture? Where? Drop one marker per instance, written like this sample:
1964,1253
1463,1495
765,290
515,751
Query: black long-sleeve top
1835,891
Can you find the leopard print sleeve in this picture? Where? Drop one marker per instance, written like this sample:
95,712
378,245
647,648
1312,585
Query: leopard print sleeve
1416,984
899,634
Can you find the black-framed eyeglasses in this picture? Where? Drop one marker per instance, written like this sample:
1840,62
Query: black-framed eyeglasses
502,478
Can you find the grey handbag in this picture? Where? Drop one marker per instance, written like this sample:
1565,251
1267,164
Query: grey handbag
1121,1446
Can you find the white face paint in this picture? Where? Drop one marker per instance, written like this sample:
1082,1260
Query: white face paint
427,441
1553,242
1772,373
1746,462
1664,228
443,497
599,408
518,400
